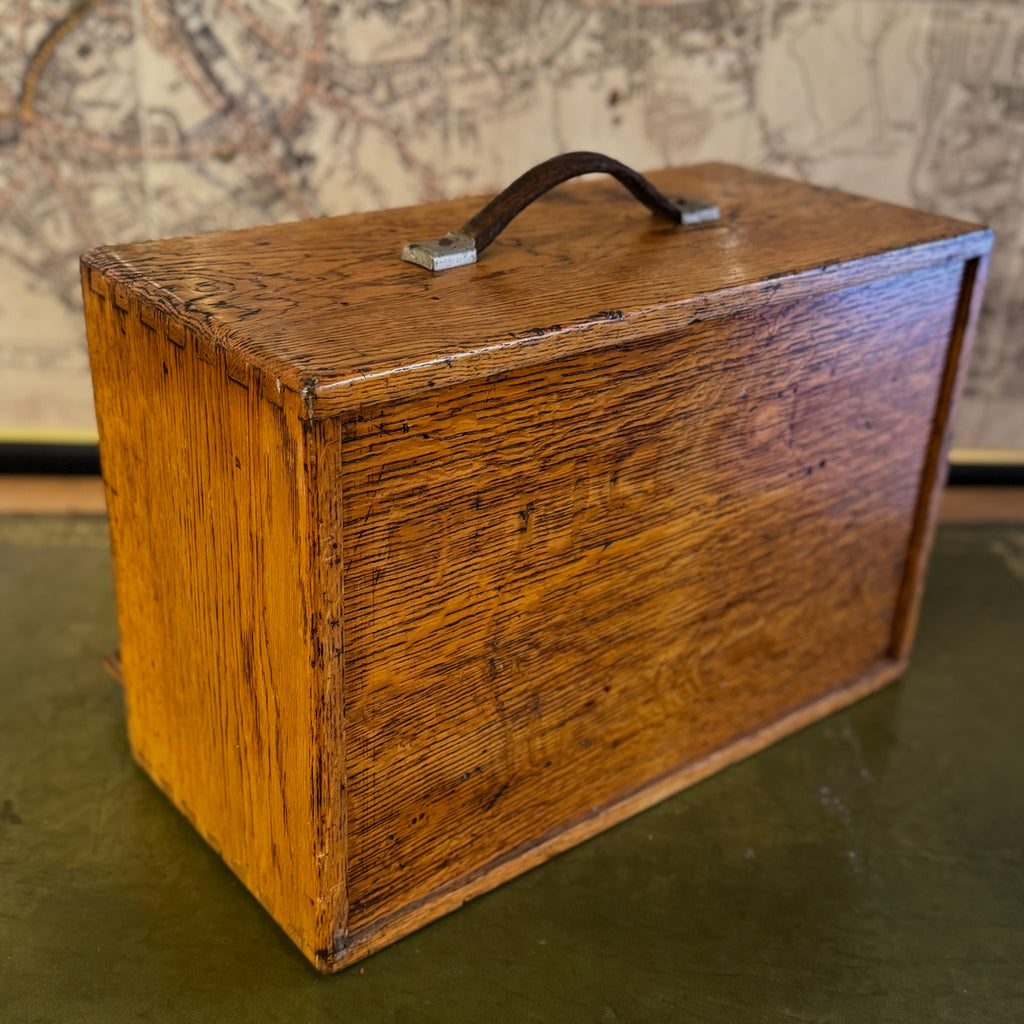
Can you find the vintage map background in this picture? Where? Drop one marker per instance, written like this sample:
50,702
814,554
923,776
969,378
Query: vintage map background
123,119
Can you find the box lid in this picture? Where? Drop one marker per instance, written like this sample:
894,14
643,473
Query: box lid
326,308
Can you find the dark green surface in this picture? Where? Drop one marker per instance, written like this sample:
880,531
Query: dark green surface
870,868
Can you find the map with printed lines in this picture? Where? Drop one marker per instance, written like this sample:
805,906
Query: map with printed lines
127,119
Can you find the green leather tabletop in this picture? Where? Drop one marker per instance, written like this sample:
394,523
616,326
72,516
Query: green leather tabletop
869,868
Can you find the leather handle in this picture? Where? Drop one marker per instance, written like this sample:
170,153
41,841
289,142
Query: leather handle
457,248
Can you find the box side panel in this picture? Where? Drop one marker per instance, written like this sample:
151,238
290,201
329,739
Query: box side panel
211,489
571,581
933,479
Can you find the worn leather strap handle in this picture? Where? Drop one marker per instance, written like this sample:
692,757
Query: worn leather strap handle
463,246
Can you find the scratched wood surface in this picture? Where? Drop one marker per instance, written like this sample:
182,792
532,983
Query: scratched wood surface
618,563
212,493
423,578
325,308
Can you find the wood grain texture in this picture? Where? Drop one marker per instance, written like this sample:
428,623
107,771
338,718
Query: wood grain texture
328,310
220,576
620,562
933,473
423,578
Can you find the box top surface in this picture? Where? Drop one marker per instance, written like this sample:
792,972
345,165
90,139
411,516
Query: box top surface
326,308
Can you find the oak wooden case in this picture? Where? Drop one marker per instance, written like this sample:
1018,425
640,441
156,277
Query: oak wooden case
423,578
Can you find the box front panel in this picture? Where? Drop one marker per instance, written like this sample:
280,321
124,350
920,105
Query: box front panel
563,582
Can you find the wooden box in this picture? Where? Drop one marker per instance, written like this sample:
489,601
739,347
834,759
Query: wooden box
424,577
